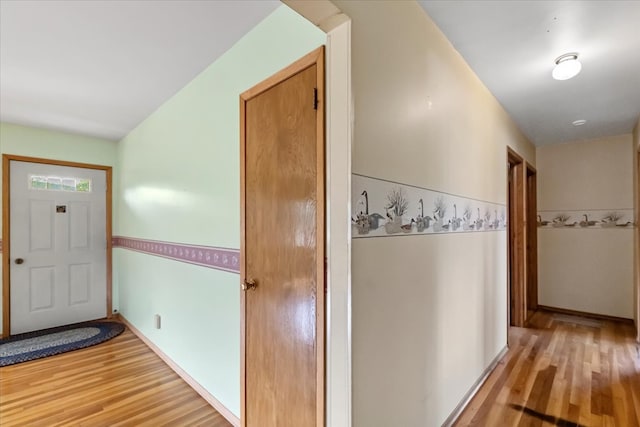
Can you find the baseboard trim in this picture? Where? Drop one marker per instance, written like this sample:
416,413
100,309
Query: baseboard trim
583,314
184,375
474,389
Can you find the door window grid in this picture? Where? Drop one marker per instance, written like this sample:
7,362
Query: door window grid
57,183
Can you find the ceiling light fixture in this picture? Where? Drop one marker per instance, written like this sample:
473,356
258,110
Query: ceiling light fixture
579,122
567,66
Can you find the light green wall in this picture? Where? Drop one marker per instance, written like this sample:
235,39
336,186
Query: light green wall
179,182
47,144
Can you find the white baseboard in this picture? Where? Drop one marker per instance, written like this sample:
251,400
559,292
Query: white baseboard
184,375
474,389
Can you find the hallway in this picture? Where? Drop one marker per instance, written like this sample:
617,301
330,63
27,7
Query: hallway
563,371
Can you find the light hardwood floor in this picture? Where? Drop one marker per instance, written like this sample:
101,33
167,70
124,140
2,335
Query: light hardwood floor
117,383
563,371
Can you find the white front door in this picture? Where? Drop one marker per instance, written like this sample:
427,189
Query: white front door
58,245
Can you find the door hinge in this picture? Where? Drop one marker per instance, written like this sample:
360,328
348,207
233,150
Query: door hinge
315,98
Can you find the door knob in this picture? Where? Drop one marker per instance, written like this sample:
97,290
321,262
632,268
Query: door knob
19,260
249,284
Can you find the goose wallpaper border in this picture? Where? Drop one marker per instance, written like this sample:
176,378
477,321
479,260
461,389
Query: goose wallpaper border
586,219
384,208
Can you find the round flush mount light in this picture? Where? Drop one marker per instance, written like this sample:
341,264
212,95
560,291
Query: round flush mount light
567,66
579,122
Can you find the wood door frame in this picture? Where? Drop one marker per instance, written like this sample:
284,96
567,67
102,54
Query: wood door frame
516,260
637,244
316,57
6,232
531,238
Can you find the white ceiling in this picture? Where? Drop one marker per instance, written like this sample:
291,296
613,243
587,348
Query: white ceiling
512,46
101,67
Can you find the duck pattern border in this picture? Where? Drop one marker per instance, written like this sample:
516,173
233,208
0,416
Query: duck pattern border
587,218
224,259
381,208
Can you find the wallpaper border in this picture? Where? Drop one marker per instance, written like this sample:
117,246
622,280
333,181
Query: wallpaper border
225,259
385,208
582,219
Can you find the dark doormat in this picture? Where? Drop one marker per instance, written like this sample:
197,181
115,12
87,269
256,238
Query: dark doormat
48,342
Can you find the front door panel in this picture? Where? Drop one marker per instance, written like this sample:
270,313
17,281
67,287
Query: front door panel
58,245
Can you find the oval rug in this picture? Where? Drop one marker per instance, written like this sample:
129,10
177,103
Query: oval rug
38,344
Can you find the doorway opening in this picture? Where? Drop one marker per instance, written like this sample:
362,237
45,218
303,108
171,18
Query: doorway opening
531,266
516,240
637,246
522,240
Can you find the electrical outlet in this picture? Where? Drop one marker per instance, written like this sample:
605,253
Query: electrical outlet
157,320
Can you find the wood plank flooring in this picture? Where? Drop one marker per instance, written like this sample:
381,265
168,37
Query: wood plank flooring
117,383
563,371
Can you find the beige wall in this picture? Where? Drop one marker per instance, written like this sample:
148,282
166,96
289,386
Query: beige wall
636,195
429,311
591,269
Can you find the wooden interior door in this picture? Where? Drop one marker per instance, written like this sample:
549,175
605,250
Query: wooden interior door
532,243
516,244
282,249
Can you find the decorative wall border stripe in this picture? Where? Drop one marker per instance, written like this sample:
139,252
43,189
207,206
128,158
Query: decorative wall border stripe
224,259
206,256
382,208
586,218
